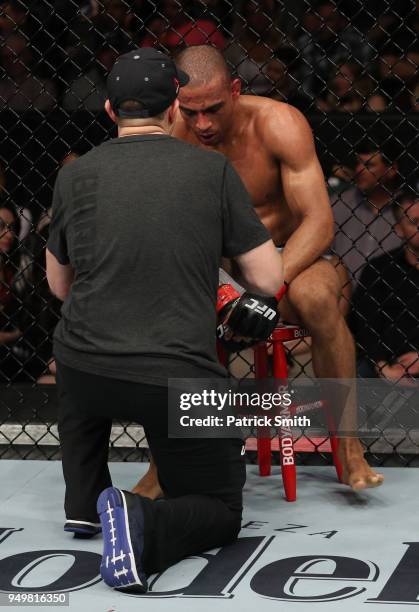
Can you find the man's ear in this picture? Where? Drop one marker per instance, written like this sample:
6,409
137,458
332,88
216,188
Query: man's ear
109,111
173,109
392,171
236,87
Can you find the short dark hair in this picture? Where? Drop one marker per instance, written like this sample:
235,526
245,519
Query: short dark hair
390,149
202,63
133,106
406,196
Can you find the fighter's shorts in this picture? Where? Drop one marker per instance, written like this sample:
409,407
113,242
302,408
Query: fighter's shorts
224,278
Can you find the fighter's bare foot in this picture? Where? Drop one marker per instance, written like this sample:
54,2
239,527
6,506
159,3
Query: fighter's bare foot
355,470
148,485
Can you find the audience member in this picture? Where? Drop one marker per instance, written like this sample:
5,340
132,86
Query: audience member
25,216
29,20
348,90
40,310
330,41
113,19
220,11
383,21
73,48
36,310
20,89
340,179
363,215
13,16
257,36
398,72
283,85
385,311
377,103
88,91
141,12
9,330
173,28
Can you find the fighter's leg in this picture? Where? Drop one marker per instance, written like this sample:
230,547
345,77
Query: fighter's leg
313,300
148,485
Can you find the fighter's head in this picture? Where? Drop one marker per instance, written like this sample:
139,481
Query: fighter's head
207,103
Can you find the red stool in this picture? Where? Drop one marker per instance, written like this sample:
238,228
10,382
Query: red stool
283,333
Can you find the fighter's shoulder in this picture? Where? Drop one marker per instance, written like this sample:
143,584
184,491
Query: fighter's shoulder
266,110
278,124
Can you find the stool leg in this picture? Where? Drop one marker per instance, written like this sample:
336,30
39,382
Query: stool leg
263,441
286,442
334,443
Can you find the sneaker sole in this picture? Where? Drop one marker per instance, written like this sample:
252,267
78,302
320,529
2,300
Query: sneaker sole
82,529
118,568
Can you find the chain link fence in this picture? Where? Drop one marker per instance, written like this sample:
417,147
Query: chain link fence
350,66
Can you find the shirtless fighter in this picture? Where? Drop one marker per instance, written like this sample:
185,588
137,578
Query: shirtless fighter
271,146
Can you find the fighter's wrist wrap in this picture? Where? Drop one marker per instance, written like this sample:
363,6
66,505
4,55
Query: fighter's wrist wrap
280,294
227,295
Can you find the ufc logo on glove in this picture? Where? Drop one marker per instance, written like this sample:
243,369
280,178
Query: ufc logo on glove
262,309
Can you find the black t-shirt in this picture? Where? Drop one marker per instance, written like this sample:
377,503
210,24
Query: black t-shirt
144,221
385,308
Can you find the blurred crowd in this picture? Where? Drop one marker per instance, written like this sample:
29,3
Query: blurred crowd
346,56
322,57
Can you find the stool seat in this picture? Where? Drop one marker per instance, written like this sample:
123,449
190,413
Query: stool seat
286,332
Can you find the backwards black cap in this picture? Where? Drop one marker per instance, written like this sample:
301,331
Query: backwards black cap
147,76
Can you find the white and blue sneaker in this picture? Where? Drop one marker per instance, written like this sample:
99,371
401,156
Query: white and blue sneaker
122,519
82,529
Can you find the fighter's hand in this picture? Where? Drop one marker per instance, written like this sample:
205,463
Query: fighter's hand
245,320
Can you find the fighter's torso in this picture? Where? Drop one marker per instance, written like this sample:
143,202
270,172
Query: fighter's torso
258,168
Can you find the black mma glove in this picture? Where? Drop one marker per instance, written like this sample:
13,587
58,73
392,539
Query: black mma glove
252,316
